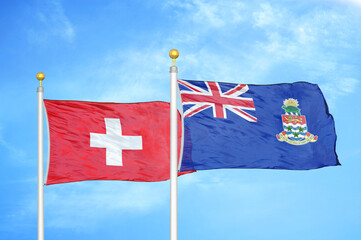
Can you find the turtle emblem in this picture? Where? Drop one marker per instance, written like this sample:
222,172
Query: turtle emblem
295,129
291,109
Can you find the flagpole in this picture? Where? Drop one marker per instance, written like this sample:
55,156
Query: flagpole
173,148
40,76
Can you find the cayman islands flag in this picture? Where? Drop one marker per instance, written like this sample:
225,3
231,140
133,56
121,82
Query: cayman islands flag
280,126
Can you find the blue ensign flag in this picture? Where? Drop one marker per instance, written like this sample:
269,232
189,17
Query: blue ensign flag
280,126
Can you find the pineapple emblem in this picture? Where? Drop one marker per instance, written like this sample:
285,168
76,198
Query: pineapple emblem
295,129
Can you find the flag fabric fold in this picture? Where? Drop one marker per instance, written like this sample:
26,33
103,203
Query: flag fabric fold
280,126
108,141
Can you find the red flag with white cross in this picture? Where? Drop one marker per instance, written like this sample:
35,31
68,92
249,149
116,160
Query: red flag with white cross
108,141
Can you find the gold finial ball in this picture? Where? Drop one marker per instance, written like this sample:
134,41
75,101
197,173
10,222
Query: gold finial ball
173,53
40,76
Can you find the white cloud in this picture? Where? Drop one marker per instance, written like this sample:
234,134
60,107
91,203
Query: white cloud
220,186
267,16
313,44
134,76
356,3
290,38
12,150
83,205
338,87
211,13
53,22
348,85
139,75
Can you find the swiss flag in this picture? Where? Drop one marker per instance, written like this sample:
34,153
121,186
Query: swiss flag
108,141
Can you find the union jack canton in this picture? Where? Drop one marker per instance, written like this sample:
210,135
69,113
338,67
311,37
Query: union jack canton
204,95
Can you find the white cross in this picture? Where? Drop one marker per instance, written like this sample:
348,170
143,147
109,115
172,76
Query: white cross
115,142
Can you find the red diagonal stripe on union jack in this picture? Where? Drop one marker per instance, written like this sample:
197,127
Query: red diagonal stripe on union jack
214,98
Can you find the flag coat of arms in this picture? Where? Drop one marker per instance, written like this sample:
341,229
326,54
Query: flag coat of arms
108,141
280,126
294,125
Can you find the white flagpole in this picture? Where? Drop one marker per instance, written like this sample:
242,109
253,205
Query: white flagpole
173,148
40,76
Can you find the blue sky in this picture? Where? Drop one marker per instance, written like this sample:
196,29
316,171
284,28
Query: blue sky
118,51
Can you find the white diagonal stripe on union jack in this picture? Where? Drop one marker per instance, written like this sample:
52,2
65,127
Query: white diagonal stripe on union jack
214,98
